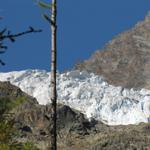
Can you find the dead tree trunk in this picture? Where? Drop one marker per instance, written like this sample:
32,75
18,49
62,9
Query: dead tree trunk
53,143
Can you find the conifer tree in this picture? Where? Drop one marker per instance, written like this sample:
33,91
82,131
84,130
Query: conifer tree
53,75
53,23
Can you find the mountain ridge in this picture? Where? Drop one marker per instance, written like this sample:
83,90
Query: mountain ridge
125,60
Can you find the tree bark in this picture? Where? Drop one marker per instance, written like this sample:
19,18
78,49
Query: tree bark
53,142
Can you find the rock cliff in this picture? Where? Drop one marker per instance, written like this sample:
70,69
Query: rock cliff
32,122
124,61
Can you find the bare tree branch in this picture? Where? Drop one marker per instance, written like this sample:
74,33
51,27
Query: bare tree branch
49,20
6,34
12,37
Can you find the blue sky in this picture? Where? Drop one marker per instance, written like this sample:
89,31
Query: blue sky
83,27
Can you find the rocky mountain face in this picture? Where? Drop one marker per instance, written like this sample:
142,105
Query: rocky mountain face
32,122
124,61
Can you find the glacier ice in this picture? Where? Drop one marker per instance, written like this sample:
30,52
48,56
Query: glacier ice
88,93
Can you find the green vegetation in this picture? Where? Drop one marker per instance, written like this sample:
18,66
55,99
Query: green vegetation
20,146
7,131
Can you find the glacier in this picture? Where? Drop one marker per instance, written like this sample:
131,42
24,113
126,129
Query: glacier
88,93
